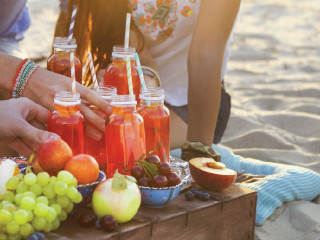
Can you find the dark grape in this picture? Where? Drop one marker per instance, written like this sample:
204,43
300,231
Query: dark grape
137,172
173,179
36,236
160,181
197,194
40,235
108,223
32,237
86,220
194,189
205,196
144,181
164,168
189,196
153,159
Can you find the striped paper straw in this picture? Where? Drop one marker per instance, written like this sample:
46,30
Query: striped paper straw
84,68
129,76
73,75
143,84
93,72
73,17
127,33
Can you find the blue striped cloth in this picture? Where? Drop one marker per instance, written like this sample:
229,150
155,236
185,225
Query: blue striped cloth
282,183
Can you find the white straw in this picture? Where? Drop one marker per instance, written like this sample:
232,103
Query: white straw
127,32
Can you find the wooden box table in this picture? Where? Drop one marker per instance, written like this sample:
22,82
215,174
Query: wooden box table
228,215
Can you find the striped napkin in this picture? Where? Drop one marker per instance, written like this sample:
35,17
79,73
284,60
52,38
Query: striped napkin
282,183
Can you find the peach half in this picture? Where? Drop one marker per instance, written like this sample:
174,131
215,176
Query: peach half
211,175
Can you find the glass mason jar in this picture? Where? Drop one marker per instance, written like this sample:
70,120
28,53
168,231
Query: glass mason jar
125,130
116,71
67,121
59,61
156,118
97,149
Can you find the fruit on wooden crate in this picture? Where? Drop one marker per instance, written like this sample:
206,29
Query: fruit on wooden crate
210,174
118,196
84,167
53,154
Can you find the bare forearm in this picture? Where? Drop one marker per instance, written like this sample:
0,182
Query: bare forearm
8,68
203,98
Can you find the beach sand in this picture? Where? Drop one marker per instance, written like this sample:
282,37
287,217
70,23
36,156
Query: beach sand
273,77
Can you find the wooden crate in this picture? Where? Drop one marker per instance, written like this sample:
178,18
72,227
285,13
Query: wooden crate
230,215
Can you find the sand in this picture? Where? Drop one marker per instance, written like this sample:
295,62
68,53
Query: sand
273,77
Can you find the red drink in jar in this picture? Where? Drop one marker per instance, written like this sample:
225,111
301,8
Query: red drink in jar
156,119
97,149
125,135
59,61
116,72
67,121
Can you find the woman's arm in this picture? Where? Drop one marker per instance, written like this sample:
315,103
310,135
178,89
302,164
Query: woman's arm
205,58
43,85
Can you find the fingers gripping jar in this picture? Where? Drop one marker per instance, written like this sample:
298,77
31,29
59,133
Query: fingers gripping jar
98,148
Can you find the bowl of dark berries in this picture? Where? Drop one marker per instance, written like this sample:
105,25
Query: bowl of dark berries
158,182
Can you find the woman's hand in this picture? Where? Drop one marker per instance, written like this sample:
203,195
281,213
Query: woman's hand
22,125
43,85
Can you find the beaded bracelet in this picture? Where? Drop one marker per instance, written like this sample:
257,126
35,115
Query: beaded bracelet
17,73
24,71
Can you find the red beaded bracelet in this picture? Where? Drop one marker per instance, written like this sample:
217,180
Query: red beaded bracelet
17,73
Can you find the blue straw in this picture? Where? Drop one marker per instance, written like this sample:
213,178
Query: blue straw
143,84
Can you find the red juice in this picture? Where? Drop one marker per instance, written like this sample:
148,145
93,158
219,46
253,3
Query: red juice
59,61
125,130
97,149
67,121
116,72
156,119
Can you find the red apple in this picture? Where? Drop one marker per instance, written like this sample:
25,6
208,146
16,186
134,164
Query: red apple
210,174
84,168
53,154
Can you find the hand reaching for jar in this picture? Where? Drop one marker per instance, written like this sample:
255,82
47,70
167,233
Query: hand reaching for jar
22,125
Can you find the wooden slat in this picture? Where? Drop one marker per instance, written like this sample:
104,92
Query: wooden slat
233,218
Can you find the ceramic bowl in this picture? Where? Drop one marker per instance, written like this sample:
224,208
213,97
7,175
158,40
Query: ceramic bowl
86,190
159,197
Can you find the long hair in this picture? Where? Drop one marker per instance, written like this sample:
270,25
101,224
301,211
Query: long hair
99,25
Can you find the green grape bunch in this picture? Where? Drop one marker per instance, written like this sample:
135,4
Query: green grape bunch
36,202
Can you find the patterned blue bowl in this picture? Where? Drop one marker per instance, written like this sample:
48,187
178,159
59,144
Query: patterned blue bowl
159,197
86,190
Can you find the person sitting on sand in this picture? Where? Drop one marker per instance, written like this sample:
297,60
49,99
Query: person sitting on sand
185,41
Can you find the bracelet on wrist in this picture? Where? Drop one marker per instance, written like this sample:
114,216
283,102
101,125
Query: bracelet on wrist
24,71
